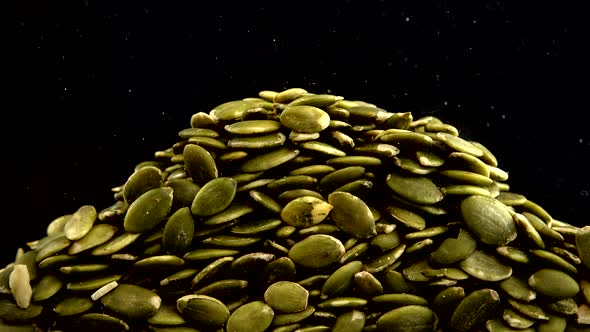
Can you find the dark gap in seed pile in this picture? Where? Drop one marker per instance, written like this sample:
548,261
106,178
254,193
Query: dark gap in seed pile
295,211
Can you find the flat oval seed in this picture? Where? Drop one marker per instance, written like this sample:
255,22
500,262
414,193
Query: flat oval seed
583,245
115,244
289,95
460,144
514,254
475,309
167,315
55,245
48,286
396,300
553,283
214,196
313,170
323,148
420,190
305,211
258,142
268,160
178,231
232,213
80,223
231,241
73,306
317,251
485,267
20,285
529,309
147,211
411,318
199,164
92,284
355,161
204,254
141,181
157,262
352,215
518,289
305,119
341,279
321,100
132,301
251,317
343,302
286,296
93,321
488,220
408,218
10,312
381,263
98,235
204,310
253,127
352,321
554,324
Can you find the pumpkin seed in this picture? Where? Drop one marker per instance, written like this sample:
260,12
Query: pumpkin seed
203,310
305,119
488,220
475,309
410,318
148,210
352,215
73,306
553,283
305,211
305,251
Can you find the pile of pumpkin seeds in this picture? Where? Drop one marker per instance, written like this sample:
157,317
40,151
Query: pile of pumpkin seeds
304,212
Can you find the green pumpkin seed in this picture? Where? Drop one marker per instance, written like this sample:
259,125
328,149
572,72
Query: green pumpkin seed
341,279
352,215
20,286
199,164
147,211
286,296
386,241
10,312
92,284
253,127
115,244
553,283
583,245
305,119
488,220
221,288
542,227
132,301
305,251
566,306
268,160
322,100
352,321
554,260
204,254
529,309
231,241
158,262
214,196
143,180
84,268
342,139
485,267
258,142
292,318
56,226
514,254
342,302
251,317
305,211
98,235
355,161
233,212
289,95
410,318
73,306
56,245
408,218
397,300
205,311
381,263
178,231
292,182
313,170
48,286
302,137
419,190
475,309
192,132
554,324
167,315
80,223
102,322
354,253
511,199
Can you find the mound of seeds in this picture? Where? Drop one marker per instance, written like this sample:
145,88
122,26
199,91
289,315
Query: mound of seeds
306,212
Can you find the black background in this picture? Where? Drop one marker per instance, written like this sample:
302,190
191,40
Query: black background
101,85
